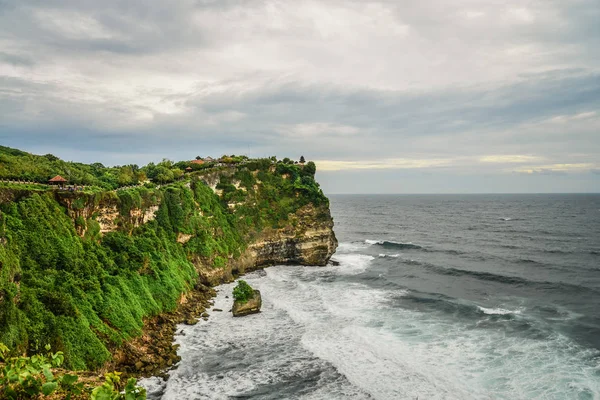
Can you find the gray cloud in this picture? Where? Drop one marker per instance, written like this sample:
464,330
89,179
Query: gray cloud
16,59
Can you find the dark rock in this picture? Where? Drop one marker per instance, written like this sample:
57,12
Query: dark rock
334,263
191,321
217,309
139,365
205,315
252,306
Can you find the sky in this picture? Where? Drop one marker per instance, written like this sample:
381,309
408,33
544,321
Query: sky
405,96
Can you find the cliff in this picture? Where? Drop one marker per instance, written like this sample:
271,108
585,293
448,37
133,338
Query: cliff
307,239
84,271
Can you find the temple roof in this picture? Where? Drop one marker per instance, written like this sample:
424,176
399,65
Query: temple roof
57,178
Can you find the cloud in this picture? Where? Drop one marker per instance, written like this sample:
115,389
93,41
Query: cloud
509,159
561,119
317,130
331,165
552,168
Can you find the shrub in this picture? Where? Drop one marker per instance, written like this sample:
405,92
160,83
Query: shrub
219,262
33,377
112,389
243,292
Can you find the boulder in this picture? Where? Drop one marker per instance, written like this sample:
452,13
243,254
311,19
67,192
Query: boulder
251,306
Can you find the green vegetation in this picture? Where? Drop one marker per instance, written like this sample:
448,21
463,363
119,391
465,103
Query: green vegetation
113,389
243,292
36,377
28,377
17,164
81,296
64,284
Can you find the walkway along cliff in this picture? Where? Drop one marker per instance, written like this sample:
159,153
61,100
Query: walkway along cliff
96,275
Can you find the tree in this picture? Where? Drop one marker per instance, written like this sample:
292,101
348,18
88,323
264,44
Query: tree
141,176
164,174
310,168
51,157
302,160
177,173
243,292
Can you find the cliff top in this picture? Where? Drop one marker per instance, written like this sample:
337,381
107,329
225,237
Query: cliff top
21,168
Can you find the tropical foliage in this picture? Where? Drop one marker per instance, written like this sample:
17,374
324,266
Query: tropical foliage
243,292
36,377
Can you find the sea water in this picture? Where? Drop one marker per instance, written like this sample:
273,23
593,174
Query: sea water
434,297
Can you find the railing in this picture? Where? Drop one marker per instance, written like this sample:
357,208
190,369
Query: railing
48,186
22,182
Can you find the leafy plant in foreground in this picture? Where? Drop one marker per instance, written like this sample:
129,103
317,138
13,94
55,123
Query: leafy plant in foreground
29,377
113,390
32,377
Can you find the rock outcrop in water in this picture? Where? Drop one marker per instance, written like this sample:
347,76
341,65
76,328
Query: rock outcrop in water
251,306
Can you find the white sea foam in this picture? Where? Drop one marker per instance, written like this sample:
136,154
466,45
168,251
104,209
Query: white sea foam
498,311
352,263
389,243
389,255
349,247
154,385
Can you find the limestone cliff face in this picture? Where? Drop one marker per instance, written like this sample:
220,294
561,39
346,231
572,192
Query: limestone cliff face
105,212
308,239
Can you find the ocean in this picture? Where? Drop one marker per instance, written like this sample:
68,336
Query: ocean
435,297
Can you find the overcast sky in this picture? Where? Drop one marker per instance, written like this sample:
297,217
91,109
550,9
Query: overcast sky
405,96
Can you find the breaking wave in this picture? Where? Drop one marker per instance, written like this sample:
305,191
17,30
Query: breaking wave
497,311
393,245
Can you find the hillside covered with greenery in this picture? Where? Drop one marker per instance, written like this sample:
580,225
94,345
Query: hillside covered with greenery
19,165
67,284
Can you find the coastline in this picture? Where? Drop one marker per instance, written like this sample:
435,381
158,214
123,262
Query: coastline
147,250
154,353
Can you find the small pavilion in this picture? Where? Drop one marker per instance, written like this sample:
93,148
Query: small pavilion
188,169
199,162
57,180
